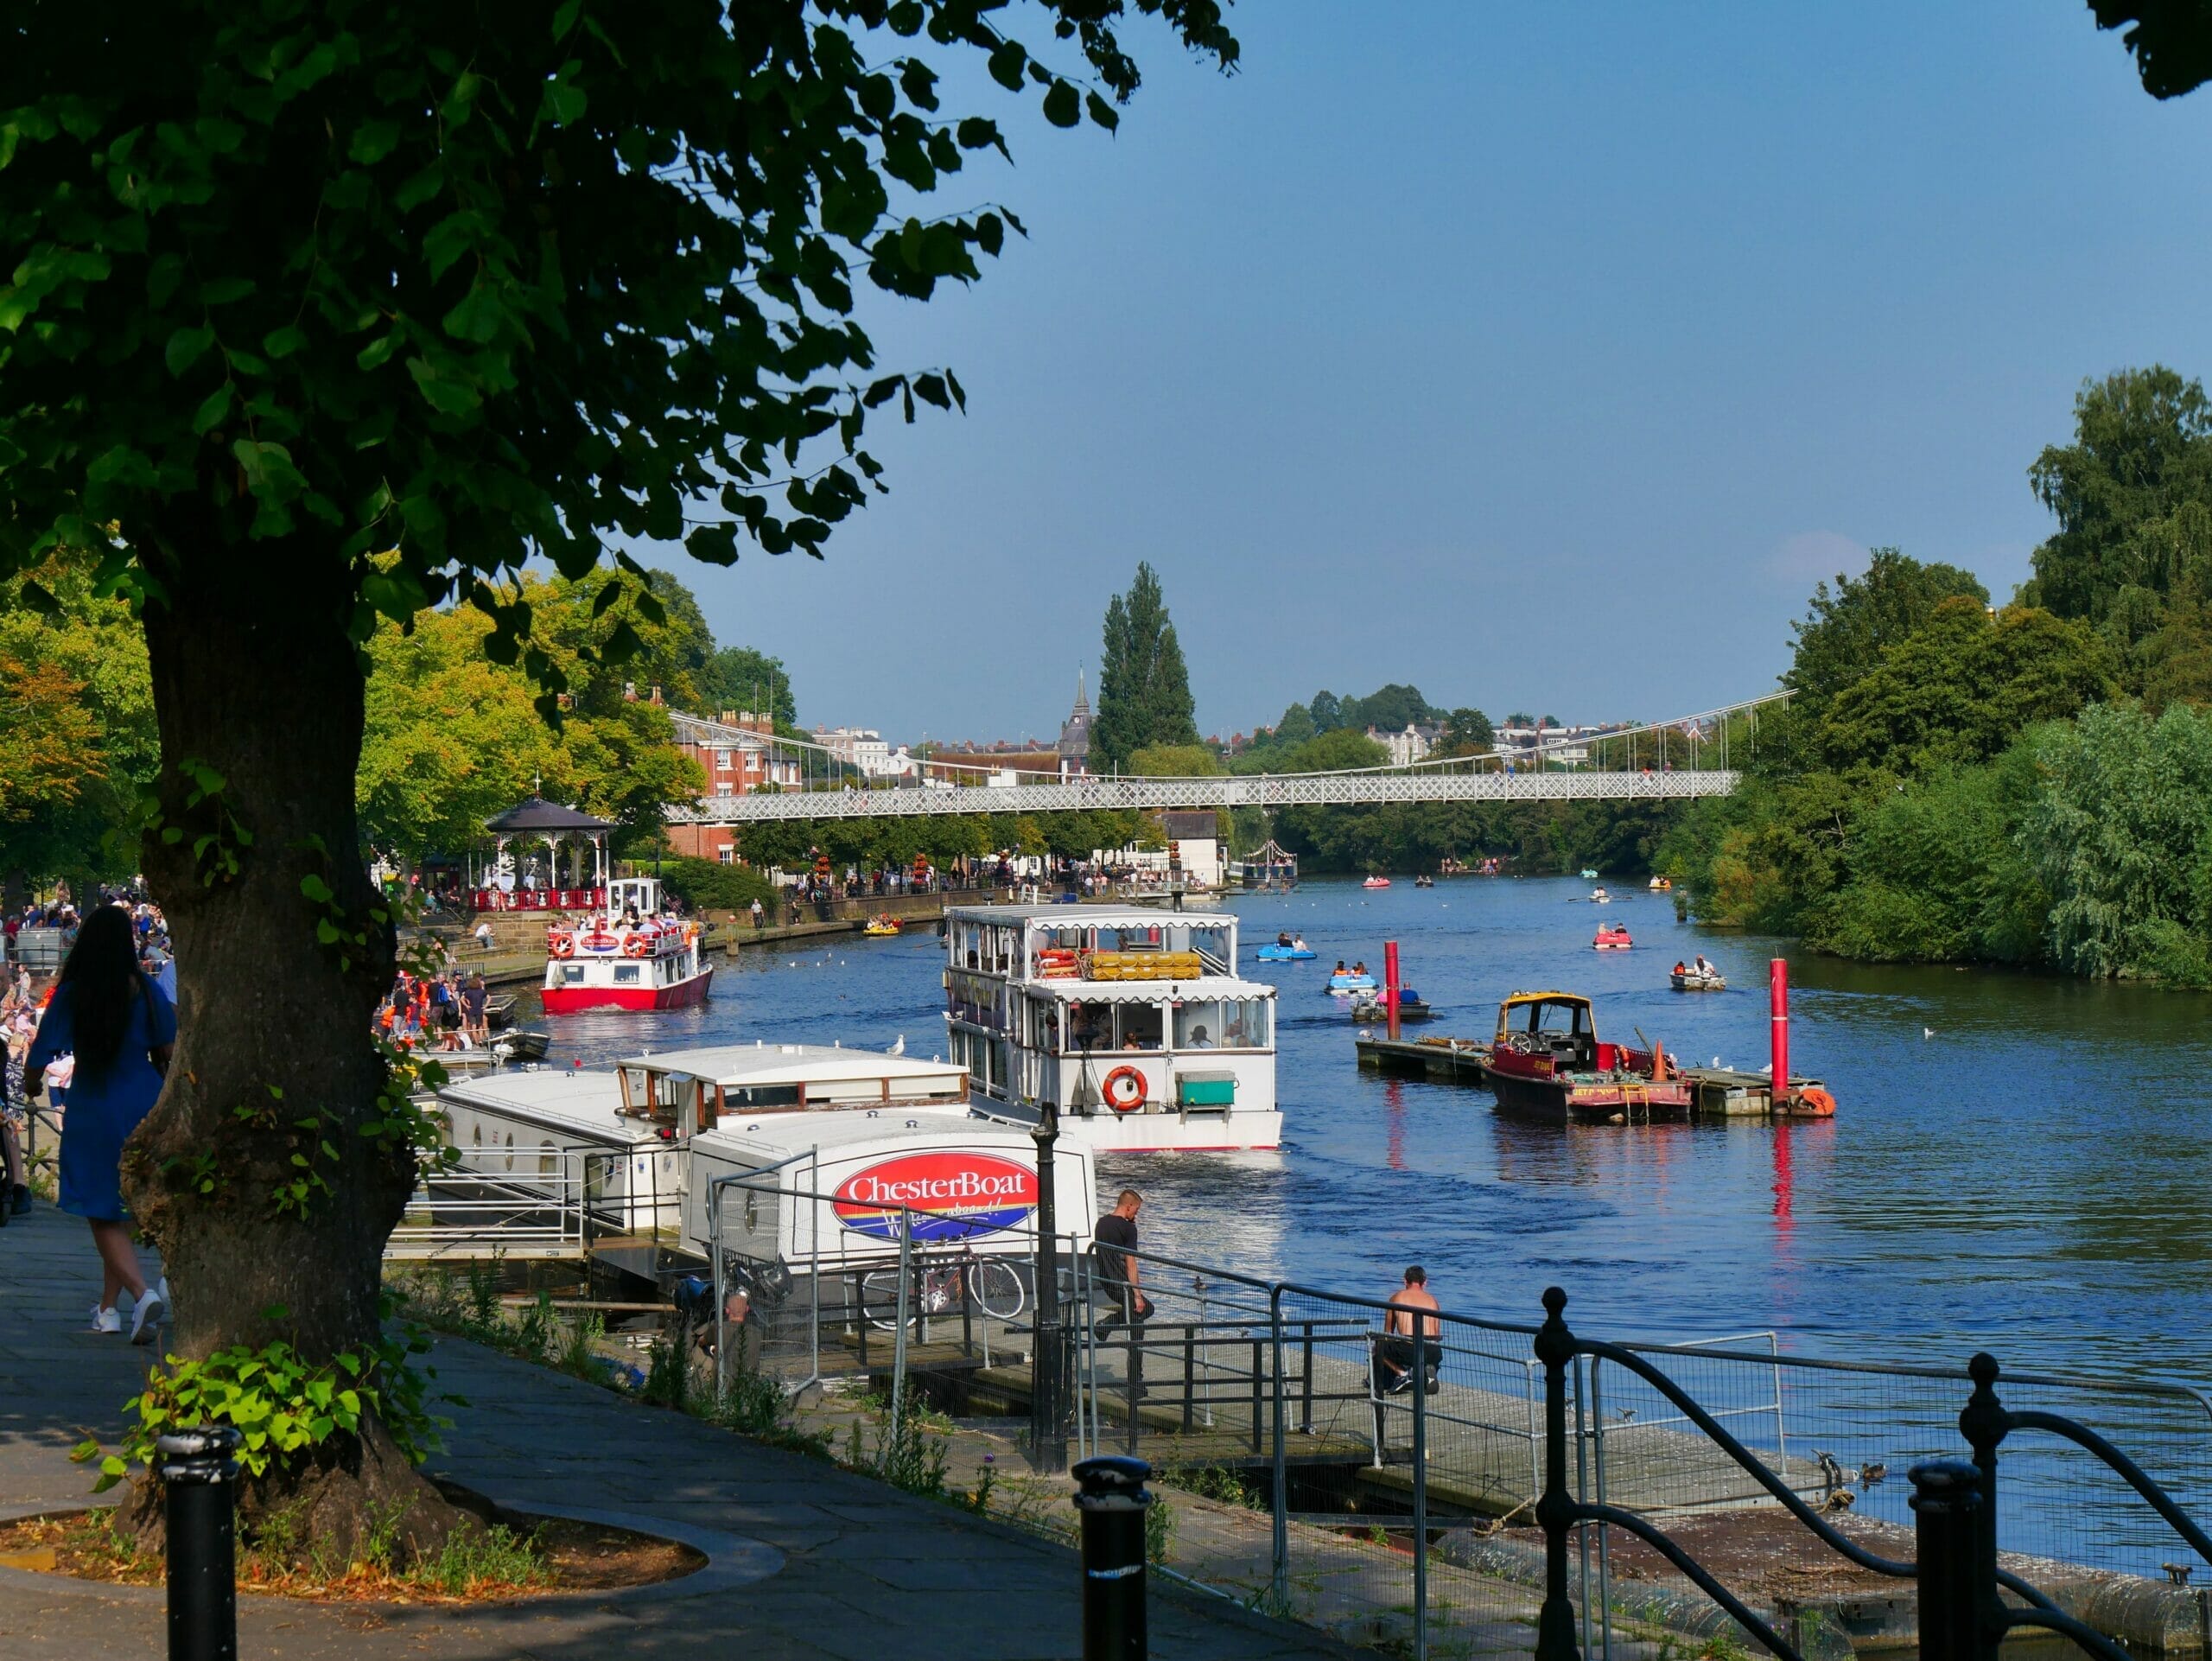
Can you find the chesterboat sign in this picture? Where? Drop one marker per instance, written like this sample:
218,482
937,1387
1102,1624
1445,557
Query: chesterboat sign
955,1196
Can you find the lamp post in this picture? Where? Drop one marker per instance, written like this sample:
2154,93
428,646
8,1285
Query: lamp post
1048,1381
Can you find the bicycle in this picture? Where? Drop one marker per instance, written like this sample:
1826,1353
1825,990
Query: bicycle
990,1282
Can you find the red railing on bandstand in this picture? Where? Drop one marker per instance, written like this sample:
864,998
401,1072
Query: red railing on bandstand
539,900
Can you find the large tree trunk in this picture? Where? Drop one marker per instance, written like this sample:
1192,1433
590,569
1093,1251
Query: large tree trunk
254,677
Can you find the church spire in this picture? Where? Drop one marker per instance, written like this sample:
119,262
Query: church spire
1082,703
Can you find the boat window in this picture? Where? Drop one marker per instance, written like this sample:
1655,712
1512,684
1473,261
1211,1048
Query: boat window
739,1099
548,1162
626,974
1244,1023
1137,1026
1565,1019
1198,1024
573,973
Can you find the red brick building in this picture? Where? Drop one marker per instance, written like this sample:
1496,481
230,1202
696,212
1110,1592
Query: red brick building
737,754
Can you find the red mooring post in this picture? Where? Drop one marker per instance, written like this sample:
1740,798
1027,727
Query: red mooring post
1779,986
1390,986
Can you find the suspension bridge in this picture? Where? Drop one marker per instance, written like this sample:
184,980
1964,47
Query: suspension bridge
1673,761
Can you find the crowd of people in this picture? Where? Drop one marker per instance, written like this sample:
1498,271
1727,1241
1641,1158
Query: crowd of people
449,1010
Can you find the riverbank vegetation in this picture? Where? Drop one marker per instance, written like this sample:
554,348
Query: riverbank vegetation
2027,785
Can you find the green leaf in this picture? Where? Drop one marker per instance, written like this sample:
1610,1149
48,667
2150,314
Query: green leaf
212,409
1102,112
34,596
373,140
563,103
283,342
447,397
377,351
225,290
1007,61
1062,107
564,17
185,348
477,317
316,889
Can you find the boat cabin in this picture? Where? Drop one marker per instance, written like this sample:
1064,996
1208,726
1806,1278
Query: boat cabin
1131,1020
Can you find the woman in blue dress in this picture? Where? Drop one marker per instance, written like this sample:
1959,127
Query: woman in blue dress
120,1027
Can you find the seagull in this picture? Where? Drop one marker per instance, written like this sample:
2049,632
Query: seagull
1927,1033
899,1048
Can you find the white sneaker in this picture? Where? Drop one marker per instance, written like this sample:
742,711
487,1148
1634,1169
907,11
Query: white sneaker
146,1318
109,1320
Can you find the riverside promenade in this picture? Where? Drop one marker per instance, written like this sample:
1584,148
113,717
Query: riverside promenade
807,1560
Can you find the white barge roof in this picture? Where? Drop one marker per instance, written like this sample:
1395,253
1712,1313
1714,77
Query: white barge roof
760,1062
788,1134
1091,916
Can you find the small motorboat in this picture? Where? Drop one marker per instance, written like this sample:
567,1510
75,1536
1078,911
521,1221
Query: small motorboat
508,1049
1662,885
1423,881
1612,936
1698,980
1377,883
1589,875
1599,897
1348,983
1368,1007
1291,950
499,1012
880,926
522,1045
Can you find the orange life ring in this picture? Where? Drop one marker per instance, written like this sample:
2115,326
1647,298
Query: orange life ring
1112,1093
563,945
636,945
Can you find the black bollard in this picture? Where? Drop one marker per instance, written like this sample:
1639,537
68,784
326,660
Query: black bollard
1947,1509
1113,1501
197,1471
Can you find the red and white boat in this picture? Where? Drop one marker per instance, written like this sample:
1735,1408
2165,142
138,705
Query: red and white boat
628,957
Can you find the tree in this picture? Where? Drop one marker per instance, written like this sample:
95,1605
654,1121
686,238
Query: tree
1325,711
738,677
79,726
1388,708
1961,687
297,285
1846,629
2142,449
1467,732
2172,41
1175,762
1144,692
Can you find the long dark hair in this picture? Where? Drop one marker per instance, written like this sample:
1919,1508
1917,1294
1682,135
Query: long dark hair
103,978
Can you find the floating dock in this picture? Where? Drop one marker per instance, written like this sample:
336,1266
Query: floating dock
1718,1092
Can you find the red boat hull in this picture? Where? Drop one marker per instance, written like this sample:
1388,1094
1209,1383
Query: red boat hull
568,1000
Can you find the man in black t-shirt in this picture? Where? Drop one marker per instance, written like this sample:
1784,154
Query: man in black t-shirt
1113,1241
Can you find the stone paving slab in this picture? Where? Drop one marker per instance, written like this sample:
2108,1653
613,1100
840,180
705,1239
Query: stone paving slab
866,1571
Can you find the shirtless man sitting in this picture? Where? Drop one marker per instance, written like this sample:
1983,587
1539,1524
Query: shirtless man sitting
1401,1327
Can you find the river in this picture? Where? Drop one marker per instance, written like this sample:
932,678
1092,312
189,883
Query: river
2016,1163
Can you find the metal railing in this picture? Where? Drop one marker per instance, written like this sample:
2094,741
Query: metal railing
545,1201
1424,1492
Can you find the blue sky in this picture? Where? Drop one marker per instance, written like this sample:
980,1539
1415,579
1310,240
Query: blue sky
1543,357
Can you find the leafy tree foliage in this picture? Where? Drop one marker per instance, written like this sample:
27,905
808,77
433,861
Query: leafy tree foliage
1144,691
322,310
1960,688
2133,553
77,736
1846,629
2121,837
1176,761
738,677
2172,41
1467,732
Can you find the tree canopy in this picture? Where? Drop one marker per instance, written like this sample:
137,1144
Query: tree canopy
320,311
1144,691
1846,629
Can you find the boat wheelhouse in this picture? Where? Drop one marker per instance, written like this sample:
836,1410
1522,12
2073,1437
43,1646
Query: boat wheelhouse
1548,1060
614,1142
628,957
1132,1021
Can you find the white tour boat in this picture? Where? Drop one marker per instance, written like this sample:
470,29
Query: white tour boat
628,957
1133,1020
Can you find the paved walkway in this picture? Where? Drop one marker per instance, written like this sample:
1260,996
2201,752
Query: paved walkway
865,1572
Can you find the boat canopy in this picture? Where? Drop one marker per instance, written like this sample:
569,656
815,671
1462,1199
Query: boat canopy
764,1077
1546,1012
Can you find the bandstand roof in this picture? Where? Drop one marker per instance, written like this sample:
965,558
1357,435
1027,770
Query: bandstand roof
536,813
